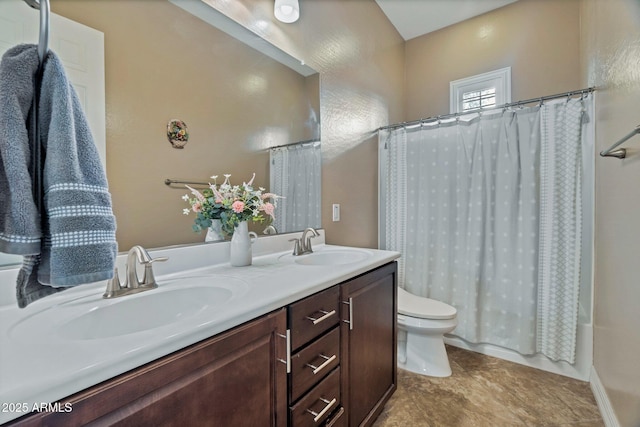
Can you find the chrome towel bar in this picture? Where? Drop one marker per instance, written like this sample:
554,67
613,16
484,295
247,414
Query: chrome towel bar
620,153
170,182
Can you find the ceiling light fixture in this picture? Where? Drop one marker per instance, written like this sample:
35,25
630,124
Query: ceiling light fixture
286,11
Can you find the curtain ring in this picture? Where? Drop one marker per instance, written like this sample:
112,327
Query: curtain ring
541,102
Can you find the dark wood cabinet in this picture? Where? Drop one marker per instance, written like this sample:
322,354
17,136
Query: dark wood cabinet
314,382
232,379
369,372
341,358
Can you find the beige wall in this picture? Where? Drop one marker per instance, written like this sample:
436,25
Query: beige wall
358,52
362,61
611,61
539,40
360,57
163,63
153,47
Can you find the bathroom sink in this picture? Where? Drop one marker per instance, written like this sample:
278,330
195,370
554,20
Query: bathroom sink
93,318
156,310
333,257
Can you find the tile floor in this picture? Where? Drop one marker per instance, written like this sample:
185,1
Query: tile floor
486,391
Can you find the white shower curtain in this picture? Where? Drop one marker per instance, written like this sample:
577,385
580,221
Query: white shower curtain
462,203
295,174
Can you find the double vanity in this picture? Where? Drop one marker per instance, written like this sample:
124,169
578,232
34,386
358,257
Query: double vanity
289,341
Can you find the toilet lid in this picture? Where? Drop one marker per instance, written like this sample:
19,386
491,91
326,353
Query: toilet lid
424,308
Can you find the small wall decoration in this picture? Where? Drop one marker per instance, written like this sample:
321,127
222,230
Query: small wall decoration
177,133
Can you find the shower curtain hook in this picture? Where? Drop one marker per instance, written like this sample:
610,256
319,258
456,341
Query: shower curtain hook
541,102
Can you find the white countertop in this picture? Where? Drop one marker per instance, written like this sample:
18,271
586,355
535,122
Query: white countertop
40,365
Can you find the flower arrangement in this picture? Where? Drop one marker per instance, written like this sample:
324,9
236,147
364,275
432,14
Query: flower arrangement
231,204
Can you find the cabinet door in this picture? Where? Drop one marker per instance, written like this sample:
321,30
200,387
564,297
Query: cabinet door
233,379
369,344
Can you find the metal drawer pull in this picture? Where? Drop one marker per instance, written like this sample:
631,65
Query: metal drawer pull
350,321
327,360
318,415
327,314
288,344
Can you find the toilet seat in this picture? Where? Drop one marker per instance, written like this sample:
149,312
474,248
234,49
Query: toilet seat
424,308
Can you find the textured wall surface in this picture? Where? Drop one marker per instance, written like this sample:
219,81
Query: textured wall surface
611,61
158,58
370,78
360,57
539,40
162,63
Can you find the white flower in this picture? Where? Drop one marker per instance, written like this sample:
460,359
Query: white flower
185,211
214,177
185,197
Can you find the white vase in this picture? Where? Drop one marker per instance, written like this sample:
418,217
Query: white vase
214,232
240,252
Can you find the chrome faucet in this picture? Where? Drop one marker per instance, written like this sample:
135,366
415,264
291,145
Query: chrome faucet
305,241
132,283
302,245
270,230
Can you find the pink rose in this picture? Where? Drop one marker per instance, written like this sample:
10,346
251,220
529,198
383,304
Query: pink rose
237,206
268,208
197,207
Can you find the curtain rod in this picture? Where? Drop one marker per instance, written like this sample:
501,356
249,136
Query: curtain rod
293,144
581,92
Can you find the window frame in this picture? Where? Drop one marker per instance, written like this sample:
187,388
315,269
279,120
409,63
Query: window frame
500,79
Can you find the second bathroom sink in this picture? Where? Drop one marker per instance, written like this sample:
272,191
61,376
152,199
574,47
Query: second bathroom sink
333,257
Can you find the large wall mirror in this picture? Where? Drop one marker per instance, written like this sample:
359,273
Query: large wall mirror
162,62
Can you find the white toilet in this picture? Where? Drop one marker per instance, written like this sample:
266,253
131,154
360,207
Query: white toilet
422,323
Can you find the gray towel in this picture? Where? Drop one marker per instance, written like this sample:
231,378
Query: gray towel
19,222
78,242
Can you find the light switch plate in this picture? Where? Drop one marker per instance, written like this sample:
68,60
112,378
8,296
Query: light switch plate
336,212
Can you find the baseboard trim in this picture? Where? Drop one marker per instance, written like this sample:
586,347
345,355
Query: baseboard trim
604,404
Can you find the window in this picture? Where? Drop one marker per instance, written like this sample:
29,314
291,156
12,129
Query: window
484,90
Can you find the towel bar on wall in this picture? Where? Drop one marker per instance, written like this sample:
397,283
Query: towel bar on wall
620,153
170,182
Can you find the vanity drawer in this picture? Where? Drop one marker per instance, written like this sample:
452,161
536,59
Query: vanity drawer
337,419
314,362
319,403
313,315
